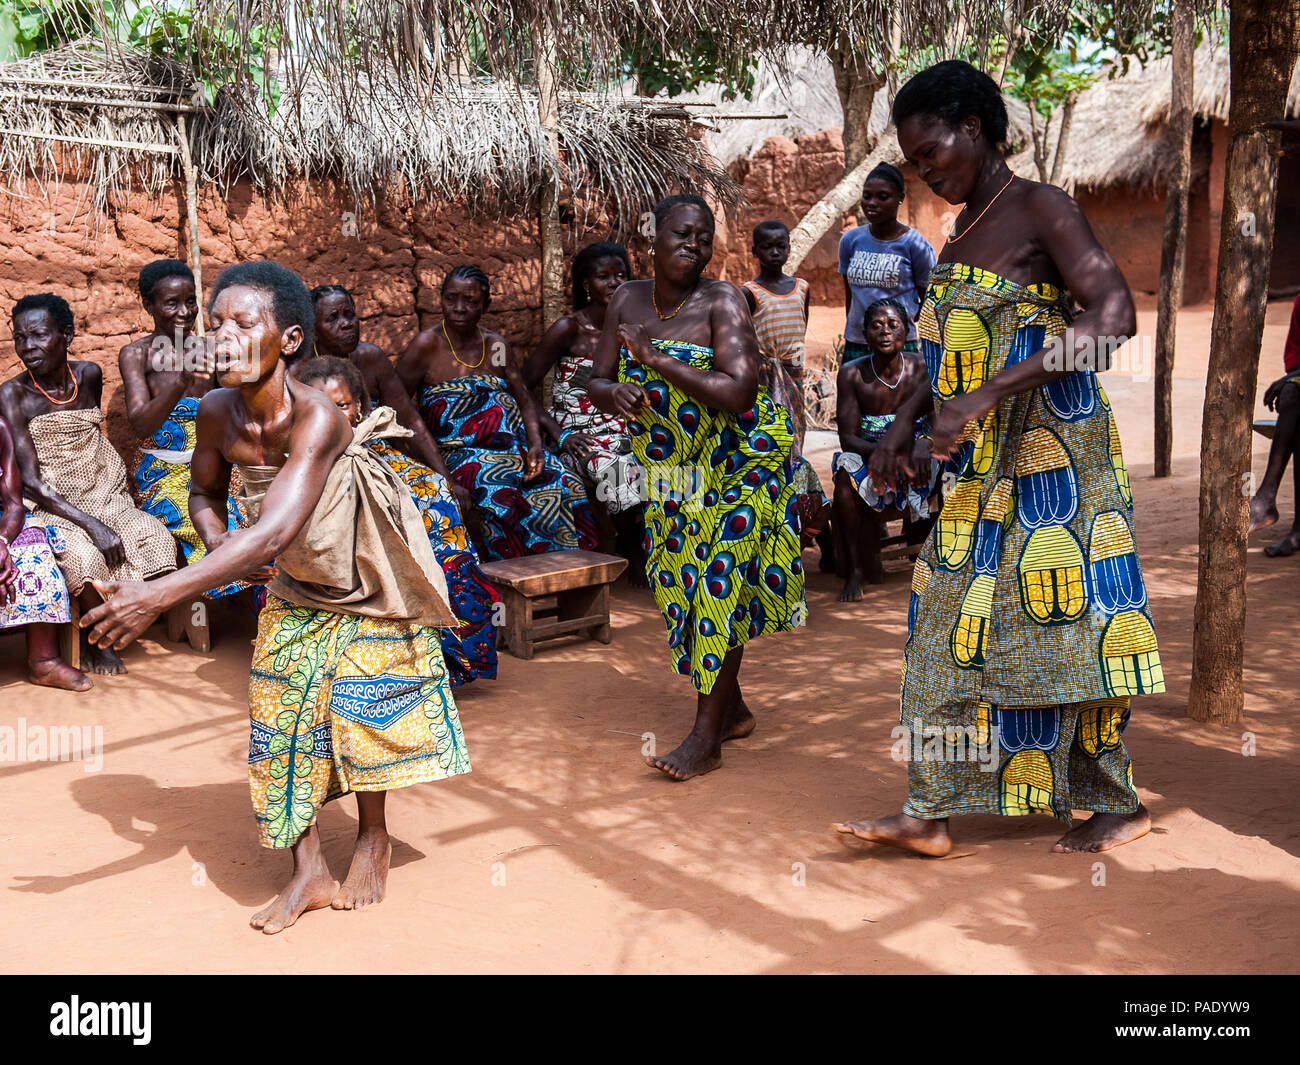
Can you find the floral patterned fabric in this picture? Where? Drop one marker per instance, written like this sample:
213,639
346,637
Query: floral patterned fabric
42,594
339,703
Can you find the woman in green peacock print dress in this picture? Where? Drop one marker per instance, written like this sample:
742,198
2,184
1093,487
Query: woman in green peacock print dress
678,358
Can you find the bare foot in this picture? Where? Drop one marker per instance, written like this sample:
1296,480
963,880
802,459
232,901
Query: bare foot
693,758
56,673
1101,832
1288,545
1263,513
101,660
301,895
738,723
852,590
368,874
903,831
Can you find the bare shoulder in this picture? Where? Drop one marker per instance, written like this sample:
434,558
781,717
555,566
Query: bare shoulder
88,373
425,341
1048,203
724,293
368,354
850,373
134,353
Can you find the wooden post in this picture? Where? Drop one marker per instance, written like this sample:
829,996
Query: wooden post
549,231
192,211
1173,252
1265,41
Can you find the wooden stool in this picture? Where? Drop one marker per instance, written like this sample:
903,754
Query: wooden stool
579,581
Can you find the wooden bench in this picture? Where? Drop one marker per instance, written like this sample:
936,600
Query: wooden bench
579,583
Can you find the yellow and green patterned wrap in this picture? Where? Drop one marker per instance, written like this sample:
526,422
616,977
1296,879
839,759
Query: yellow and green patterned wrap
339,703
1028,610
722,534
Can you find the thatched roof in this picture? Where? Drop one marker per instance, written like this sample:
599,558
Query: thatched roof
432,37
1117,134
109,115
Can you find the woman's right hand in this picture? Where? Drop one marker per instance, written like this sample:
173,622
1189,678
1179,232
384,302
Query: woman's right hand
107,543
628,398
893,463
8,578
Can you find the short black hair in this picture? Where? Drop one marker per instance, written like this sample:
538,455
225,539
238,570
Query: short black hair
668,204
47,301
950,91
290,301
889,173
881,304
321,291
469,272
160,270
770,226
585,261
329,367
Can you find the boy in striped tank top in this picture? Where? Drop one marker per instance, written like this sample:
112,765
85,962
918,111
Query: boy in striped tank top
778,305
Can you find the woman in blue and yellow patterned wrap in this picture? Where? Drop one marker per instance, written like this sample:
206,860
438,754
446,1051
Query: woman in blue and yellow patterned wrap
678,358
164,375
1029,628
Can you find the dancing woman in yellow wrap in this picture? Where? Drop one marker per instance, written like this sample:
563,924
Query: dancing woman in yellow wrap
1029,628
678,358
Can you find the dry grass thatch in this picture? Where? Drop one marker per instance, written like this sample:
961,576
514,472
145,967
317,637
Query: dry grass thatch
433,37
1118,131
67,112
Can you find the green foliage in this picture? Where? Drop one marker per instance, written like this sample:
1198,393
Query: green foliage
165,29
679,71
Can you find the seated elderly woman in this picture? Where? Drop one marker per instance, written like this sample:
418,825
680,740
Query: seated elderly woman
870,392
75,483
32,590
593,444
485,422
470,650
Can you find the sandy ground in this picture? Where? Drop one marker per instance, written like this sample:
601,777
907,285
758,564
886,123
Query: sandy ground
563,852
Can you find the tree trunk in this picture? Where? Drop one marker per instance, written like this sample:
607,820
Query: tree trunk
1063,136
550,233
856,83
1265,41
1173,252
1040,141
827,211
191,214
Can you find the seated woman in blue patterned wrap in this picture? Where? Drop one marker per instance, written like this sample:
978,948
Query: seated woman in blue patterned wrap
164,375
485,422
869,392
678,358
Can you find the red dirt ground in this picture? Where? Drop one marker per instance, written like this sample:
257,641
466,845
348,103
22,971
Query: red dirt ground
563,852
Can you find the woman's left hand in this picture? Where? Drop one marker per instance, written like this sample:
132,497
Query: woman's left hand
637,341
956,415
